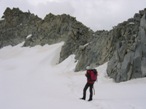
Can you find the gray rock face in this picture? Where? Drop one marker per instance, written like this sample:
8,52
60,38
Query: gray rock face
128,60
17,25
79,35
103,44
97,51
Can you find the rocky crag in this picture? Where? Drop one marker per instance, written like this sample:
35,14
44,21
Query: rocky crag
123,47
17,26
129,58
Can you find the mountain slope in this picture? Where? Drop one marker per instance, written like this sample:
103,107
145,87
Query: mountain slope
123,46
30,78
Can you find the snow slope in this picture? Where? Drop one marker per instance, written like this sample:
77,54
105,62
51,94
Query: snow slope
31,78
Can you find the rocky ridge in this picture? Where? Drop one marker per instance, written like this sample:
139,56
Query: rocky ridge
16,26
123,46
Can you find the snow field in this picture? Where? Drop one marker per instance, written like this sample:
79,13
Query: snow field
31,78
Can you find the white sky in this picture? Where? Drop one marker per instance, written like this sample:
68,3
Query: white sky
96,14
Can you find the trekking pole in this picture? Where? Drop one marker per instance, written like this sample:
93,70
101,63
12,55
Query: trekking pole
94,90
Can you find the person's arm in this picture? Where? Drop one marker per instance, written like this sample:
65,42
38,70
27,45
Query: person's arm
87,75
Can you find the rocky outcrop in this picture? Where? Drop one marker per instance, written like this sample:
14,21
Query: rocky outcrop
128,60
123,48
51,30
103,44
77,37
16,26
96,51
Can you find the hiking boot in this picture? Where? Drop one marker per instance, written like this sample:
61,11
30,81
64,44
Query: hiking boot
82,98
90,100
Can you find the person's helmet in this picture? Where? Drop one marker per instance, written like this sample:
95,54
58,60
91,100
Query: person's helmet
88,67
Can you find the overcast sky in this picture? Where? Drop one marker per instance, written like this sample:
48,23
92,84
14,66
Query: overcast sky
95,14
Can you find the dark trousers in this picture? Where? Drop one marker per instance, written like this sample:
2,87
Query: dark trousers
90,90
